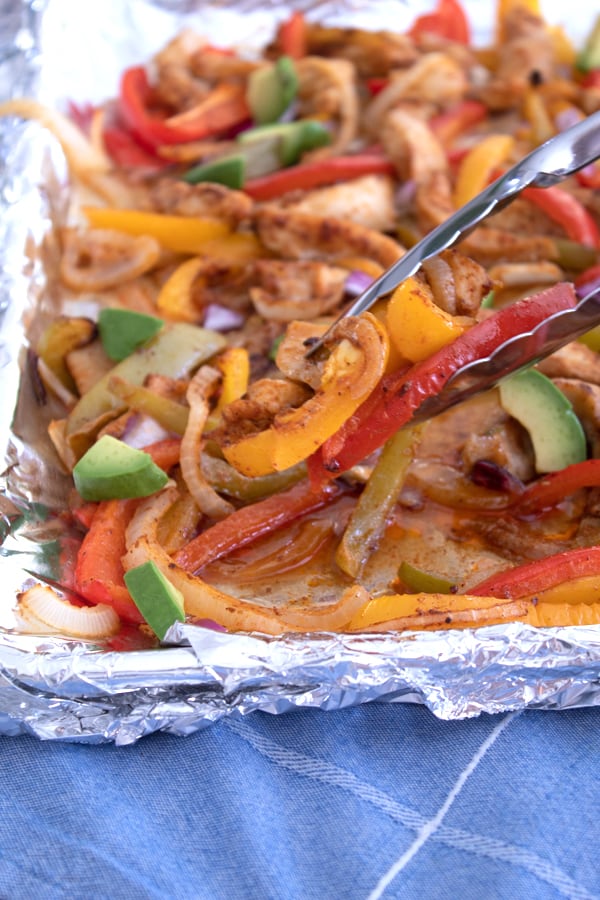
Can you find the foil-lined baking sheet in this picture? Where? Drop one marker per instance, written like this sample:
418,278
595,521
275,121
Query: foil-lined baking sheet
77,691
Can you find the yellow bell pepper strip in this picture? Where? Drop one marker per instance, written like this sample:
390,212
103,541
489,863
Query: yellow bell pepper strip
175,297
421,611
536,113
353,369
416,325
478,166
181,234
234,365
63,335
374,506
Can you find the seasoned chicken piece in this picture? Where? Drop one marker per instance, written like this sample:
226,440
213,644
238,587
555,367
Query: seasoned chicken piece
206,199
585,398
367,201
372,52
487,245
176,84
459,284
258,407
503,444
257,336
526,53
327,89
574,360
87,365
294,235
412,146
435,78
297,290
216,67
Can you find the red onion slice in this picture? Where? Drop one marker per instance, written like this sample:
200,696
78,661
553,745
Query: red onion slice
220,318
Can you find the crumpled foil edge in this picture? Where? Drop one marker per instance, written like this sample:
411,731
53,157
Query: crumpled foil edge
73,691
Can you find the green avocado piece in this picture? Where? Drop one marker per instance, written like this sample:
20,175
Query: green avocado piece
159,601
122,331
227,170
589,57
556,433
293,138
111,470
271,89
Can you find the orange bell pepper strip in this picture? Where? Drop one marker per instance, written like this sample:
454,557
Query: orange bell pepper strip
448,19
459,118
99,571
223,109
505,7
181,234
416,325
291,36
564,208
478,166
353,369
247,524
317,174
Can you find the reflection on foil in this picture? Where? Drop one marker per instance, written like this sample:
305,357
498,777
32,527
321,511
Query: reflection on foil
77,691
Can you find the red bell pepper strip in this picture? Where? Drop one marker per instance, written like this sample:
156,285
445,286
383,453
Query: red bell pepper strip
448,20
221,111
249,523
127,153
565,209
531,578
99,571
555,486
291,36
376,84
592,79
588,278
316,174
458,119
399,394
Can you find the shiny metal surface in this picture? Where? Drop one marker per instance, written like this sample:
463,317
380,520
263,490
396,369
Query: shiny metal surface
547,165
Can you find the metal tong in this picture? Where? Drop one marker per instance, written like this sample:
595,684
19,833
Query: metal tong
549,164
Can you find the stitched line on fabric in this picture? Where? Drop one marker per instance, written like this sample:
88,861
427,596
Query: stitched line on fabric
480,845
432,825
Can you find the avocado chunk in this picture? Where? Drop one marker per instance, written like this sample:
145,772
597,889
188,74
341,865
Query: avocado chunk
227,170
159,601
111,470
122,331
556,433
589,57
271,89
294,138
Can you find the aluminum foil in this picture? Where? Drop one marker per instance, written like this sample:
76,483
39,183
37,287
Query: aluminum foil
77,691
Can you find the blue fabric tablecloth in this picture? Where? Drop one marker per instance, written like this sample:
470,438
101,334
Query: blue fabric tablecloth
375,801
